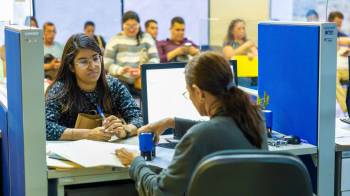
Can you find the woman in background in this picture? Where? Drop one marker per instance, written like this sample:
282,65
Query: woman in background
129,49
236,42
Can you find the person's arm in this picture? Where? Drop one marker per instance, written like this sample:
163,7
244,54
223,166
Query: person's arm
152,50
344,41
171,181
109,57
194,49
228,51
182,126
126,106
97,133
174,53
241,50
56,131
162,52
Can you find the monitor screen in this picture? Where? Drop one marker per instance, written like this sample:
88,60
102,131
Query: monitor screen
163,86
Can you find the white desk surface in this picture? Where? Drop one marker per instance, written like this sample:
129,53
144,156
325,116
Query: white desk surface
3,93
342,136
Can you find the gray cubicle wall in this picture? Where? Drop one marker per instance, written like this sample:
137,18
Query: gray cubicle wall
25,136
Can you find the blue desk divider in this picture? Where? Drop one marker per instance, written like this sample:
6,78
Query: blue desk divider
288,72
4,150
15,117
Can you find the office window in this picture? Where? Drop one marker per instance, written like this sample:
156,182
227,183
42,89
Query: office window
195,13
70,16
295,10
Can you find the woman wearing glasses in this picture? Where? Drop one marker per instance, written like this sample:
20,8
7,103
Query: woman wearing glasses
235,123
127,50
81,86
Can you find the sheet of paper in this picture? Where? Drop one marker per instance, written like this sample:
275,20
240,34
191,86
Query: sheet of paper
88,153
54,163
163,157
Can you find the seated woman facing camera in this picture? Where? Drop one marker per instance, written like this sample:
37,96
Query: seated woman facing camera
235,123
81,87
236,42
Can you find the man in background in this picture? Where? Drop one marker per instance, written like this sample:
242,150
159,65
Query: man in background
51,48
338,18
151,27
177,48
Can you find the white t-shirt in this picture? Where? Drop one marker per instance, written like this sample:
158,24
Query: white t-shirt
56,50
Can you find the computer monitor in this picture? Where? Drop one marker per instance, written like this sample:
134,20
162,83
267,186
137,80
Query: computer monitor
163,86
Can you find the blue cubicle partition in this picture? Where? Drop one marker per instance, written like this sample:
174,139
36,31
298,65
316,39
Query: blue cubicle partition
4,151
297,63
288,72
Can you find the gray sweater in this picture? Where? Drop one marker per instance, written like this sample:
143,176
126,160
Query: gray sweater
199,140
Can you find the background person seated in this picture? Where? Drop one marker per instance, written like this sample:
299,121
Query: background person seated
53,48
81,86
177,48
312,16
236,41
342,76
89,30
129,49
338,18
151,27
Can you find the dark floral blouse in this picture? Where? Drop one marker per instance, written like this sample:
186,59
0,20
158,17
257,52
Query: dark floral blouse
122,104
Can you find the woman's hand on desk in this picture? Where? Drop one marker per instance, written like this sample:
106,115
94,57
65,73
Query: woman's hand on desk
157,128
99,134
118,127
126,157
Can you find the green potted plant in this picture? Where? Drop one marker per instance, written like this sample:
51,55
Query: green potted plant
263,102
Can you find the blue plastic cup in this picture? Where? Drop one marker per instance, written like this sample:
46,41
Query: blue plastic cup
268,121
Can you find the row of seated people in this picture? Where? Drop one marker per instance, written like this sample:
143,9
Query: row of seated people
126,51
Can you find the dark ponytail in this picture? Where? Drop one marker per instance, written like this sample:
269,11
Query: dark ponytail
211,72
237,104
131,15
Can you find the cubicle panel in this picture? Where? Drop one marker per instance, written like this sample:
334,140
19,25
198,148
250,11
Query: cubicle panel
15,135
26,114
288,72
4,151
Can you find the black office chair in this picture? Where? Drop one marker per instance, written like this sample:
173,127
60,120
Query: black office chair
250,173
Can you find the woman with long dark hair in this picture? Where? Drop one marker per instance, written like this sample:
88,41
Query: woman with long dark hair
236,42
129,49
235,123
81,86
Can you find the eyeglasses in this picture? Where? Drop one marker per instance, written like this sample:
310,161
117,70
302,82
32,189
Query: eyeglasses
186,95
85,62
131,26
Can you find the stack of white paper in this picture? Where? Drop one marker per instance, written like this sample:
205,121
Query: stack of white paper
87,153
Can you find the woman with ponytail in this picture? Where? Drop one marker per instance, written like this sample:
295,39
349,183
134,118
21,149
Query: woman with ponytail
235,123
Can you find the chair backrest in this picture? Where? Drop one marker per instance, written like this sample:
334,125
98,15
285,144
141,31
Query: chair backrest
250,173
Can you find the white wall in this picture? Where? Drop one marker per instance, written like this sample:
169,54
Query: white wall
194,12
223,11
281,10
